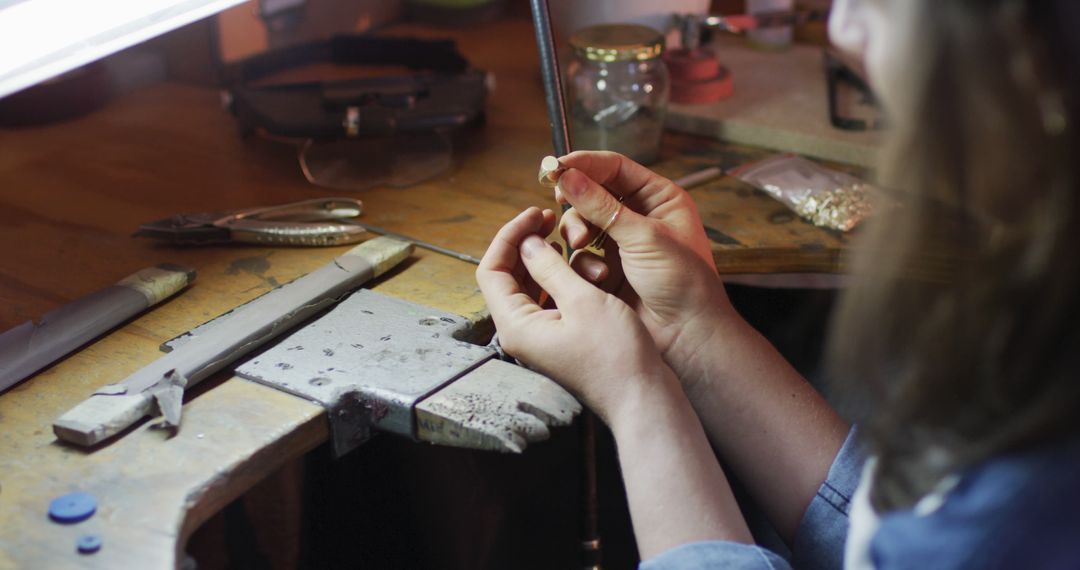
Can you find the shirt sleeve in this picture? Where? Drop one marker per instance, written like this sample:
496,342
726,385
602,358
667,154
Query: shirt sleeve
716,554
819,540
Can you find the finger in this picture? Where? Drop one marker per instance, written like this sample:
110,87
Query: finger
505,299
575,230
546,226
616,279
501,289
502,252
622,176
600,208
589,265
559,198
552,272
531,287
548,222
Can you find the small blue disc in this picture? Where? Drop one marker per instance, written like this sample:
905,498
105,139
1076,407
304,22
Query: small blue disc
72,507
89,543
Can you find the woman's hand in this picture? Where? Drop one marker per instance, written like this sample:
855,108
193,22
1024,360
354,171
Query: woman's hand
661,261
589,340
594,344
748,397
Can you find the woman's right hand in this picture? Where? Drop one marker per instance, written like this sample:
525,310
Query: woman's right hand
746,395
661,261
586,339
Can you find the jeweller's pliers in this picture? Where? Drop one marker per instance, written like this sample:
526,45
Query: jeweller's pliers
307,223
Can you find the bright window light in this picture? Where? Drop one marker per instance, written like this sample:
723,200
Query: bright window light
40,39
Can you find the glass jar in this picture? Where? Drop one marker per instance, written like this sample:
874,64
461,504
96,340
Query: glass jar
618,90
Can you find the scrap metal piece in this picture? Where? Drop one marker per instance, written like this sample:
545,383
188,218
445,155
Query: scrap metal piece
117,406
169,396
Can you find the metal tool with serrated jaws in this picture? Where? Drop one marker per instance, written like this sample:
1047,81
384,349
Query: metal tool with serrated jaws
319,222
309,223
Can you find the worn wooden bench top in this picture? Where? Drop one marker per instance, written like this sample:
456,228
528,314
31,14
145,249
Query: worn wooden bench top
71,194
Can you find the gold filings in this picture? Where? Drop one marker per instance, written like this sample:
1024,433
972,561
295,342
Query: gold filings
825,197
839,209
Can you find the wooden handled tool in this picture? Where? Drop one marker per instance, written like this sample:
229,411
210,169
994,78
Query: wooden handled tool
31,346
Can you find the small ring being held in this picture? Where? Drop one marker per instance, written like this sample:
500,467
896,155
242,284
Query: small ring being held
550,171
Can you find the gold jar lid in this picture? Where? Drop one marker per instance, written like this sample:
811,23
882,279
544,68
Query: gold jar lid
617,42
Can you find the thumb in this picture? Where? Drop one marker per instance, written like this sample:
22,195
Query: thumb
551,272
600,208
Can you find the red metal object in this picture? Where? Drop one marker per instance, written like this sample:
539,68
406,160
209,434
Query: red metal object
697,77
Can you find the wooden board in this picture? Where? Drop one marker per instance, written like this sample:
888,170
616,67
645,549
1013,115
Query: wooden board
780,102
71,194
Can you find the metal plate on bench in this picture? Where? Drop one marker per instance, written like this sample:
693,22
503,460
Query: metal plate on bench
369,361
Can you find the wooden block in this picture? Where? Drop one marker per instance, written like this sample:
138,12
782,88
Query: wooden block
498,406
98,417
780,102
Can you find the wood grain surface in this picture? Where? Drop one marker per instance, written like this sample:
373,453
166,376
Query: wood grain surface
71,194
780,102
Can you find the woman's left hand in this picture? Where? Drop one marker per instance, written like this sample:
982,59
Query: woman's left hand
590,341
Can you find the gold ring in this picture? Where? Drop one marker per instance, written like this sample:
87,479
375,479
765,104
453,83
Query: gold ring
550,171
614,217
598,243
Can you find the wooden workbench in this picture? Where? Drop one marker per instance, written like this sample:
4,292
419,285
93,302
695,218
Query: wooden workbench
71,194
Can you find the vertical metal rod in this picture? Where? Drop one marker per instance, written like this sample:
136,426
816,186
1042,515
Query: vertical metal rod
591,548
549,72
560,139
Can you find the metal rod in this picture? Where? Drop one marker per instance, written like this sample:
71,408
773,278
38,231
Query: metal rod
549,72
560,140
418,243
592,550
700,177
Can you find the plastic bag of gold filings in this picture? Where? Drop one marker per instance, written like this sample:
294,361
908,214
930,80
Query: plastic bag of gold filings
822,196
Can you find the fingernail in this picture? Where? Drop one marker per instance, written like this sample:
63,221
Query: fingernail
531,245
573,183
594,272
579,235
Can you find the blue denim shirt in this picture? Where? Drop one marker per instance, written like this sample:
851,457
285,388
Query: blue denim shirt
1015,511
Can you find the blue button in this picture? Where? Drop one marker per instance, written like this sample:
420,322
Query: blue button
72,508
89,543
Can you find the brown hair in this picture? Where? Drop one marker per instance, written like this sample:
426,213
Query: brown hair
961,336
